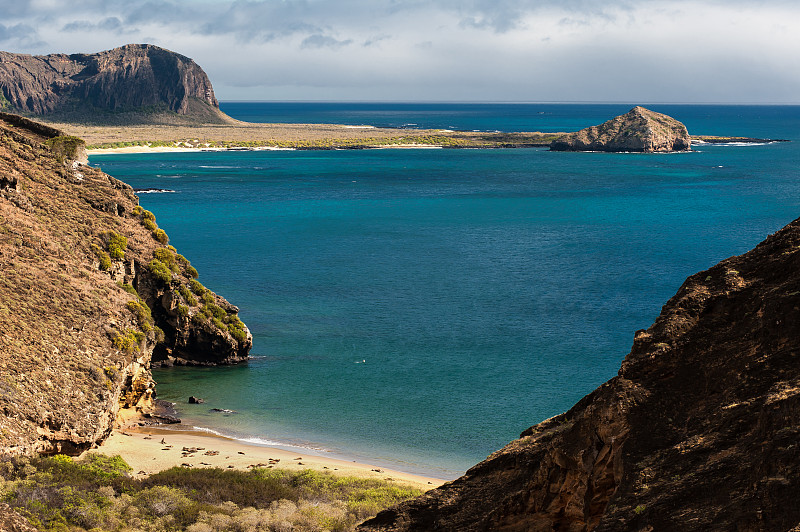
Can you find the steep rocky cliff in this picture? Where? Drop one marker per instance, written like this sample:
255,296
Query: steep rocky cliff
89,290
132,78
700,430
638,130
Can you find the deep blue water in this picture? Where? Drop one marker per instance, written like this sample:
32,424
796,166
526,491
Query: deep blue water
420,308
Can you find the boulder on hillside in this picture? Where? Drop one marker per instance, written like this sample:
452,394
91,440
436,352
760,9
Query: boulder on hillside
638,130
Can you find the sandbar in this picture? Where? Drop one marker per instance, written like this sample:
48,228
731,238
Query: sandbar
156,448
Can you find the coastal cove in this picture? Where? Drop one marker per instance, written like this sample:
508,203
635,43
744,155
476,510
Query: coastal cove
417,309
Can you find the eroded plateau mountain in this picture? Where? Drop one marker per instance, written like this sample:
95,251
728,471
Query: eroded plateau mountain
136,80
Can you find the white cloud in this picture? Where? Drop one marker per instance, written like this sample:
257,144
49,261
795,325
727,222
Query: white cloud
643,51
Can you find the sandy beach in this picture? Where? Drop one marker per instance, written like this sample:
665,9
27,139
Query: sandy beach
151,449
137,149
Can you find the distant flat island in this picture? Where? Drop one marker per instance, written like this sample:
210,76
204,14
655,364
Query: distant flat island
247,135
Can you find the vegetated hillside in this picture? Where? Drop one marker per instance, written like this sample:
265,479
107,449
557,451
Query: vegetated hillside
89,291
638,130
699,431
133,83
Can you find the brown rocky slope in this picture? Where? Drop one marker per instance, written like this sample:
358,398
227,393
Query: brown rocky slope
89,289
135,77
700,430
638,130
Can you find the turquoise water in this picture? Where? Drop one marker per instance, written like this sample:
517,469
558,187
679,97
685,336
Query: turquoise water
418,309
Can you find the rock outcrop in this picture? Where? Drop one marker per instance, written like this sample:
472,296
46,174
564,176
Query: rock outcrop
135,77
89,290
638,130
700,430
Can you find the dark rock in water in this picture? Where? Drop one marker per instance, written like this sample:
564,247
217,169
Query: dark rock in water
699,431
163,412
132,77
196,400
639,130
223,410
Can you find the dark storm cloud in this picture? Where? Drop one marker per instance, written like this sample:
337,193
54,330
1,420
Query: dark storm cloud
19,35
107,24
323,41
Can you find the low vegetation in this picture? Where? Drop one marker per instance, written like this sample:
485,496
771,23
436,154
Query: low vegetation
412,138
97,493
65,146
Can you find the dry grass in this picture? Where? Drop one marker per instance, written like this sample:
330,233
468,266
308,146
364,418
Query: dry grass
319,136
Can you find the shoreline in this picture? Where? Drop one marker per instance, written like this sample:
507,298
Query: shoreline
142,448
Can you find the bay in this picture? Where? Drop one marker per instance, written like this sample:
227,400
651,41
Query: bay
418,309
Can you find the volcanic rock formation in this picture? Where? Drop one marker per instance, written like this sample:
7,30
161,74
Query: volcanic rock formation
638,130
134,77
88,290
699,431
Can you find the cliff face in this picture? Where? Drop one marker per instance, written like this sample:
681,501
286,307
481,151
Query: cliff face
700,430
129,78
89,290
638,130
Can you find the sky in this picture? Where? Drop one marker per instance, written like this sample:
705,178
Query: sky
640,51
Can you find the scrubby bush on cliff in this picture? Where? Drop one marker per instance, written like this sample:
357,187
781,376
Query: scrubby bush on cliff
197,287
149,221
129,288
96,493
188,296
167,257
103,258
128,340
143,315
160,271
161,236
115,244
65,146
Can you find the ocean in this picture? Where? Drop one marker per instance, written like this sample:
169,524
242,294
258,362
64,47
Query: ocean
417,309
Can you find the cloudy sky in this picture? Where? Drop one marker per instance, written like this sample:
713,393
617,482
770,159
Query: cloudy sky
644,51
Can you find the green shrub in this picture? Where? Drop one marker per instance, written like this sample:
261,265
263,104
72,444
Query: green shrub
161,236
197,287
239,335
128,340
183,311
188,296
147,215
137,211
128,288
65,146
215,310
150,225
59,493
115,244
102,257
244,488
160,271
164,255
143,315
191,272
236,328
